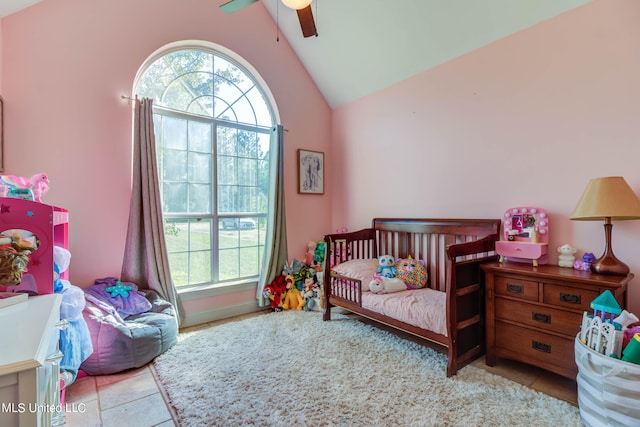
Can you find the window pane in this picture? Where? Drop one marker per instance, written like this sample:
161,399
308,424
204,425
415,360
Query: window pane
226,170
200,235
249,266
229,236
247,170
244,111
174,133
200,267
179,266
227,138
174,165
260,107
227,199
229,264
247,144
199,198
200,168
174,197
200,137
176,233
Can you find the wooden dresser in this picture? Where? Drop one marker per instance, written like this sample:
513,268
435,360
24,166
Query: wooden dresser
534,313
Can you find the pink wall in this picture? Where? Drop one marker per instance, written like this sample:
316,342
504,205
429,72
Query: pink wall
64,67
527,120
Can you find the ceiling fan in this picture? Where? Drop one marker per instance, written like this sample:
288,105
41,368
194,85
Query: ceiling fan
302,7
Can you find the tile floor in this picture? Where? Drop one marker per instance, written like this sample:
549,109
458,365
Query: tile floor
134,398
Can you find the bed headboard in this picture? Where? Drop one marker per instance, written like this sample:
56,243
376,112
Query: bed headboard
429,240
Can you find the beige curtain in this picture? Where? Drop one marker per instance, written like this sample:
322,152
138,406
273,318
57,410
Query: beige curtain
145,260
275,248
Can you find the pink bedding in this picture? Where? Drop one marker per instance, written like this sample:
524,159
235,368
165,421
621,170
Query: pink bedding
424,308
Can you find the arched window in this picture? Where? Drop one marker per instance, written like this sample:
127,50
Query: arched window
212,123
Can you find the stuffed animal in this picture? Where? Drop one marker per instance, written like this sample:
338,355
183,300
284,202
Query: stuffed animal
585,263
38,184
308,294
412,272
276,291
387,267
384,285
318,255
310,254
293,300
566,258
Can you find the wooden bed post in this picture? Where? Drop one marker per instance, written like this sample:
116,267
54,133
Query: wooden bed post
326,285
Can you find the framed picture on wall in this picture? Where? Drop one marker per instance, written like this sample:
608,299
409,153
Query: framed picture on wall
310,172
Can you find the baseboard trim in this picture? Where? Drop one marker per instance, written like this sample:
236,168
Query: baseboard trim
192,319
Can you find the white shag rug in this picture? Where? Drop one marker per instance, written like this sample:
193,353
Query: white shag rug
293,369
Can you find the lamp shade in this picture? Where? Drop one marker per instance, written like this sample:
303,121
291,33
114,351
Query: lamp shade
296,4
608,197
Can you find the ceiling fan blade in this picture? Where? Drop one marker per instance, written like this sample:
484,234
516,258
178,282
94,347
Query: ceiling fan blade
308,25
236,5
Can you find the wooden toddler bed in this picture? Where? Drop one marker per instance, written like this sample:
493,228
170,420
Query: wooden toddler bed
449,310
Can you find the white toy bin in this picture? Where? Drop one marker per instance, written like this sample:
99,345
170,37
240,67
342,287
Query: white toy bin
608,389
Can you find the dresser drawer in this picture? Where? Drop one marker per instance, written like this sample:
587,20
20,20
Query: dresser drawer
523,289
526,250
547,318
562,296
536,347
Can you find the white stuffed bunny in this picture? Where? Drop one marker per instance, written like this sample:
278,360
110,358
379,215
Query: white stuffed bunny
566,258
384,285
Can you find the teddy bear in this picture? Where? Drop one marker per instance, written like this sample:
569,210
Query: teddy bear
384,285
387,267
566,258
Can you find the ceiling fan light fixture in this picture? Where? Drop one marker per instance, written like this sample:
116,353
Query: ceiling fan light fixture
297,4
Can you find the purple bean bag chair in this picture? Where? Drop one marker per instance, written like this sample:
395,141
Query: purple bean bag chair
122,340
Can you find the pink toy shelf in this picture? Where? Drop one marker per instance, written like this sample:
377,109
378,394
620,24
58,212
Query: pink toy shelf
45,225
526,236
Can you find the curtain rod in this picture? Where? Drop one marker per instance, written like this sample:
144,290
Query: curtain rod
128,98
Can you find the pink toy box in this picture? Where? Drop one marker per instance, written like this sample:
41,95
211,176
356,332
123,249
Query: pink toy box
43,225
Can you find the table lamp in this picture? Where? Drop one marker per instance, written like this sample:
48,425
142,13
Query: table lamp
608,198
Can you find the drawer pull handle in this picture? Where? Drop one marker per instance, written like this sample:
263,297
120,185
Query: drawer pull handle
541,317
540,346
570,298
515,289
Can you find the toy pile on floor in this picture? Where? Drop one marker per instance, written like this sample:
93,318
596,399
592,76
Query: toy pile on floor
610,330
299,287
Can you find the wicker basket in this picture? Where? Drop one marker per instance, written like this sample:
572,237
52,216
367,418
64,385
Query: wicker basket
13,263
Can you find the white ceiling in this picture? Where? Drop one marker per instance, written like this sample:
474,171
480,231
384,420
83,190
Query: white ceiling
366,45
7,7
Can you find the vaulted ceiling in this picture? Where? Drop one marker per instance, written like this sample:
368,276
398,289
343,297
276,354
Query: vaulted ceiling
366,45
